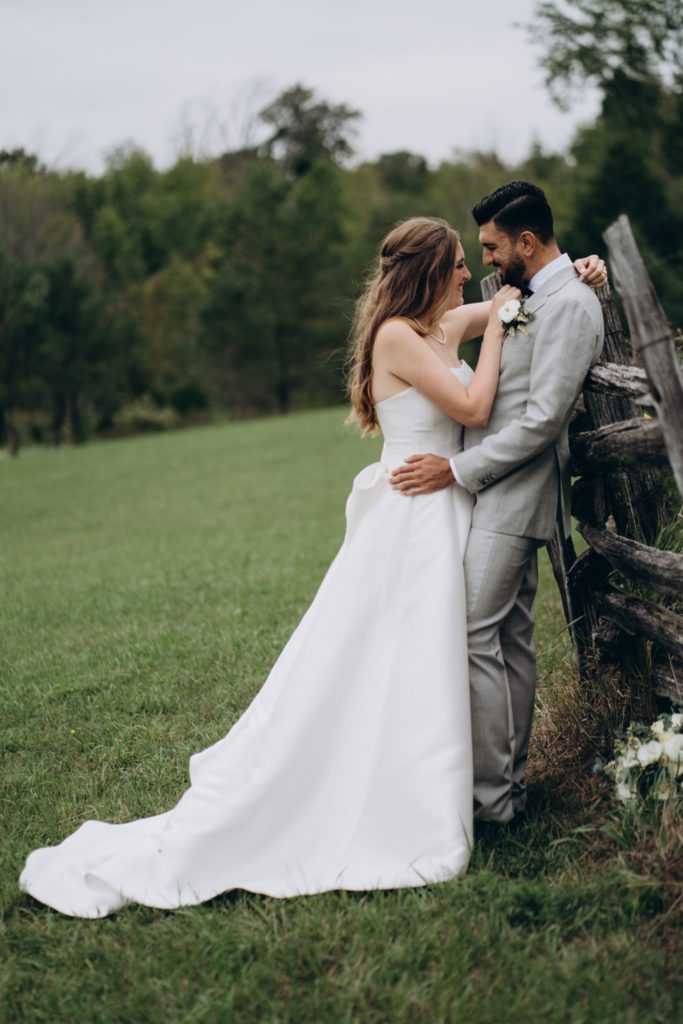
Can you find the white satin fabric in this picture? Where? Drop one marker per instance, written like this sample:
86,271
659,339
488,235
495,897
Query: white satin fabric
352,768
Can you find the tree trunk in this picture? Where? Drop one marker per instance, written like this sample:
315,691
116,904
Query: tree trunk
58,418
282,384
11,431
76,425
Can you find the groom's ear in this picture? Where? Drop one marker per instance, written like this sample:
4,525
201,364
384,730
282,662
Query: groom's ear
528,242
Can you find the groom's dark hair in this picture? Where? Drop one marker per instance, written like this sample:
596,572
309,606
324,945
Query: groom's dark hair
516,207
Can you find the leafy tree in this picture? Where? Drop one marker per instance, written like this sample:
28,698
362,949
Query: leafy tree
306,130
604,42
23,298
392,188
153,234
172,303
191,198
273,313
66,355
404,172
629,161
38,237
20,158
117,246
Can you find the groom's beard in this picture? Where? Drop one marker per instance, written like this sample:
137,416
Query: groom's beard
515,274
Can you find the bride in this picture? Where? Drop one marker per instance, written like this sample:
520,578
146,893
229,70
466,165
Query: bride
352,767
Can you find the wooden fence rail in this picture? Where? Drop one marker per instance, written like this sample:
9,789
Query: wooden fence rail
652,568
628,444
623,596
620,381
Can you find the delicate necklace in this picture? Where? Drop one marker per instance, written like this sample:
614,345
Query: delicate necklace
430,334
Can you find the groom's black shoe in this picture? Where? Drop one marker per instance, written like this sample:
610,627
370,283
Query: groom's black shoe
489,831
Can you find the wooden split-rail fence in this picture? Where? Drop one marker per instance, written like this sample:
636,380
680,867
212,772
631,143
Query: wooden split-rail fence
623,595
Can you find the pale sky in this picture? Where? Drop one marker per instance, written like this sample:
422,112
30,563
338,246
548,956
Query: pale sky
79,77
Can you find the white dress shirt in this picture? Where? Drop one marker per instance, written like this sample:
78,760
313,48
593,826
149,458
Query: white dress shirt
539,278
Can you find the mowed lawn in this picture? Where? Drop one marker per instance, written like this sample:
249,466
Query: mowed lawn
146,586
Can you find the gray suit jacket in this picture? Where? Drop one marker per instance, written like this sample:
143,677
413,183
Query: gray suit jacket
518,465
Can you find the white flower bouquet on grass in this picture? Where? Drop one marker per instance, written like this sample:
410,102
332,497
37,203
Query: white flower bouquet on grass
648,760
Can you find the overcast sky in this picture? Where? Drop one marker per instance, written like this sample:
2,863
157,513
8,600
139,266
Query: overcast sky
79,77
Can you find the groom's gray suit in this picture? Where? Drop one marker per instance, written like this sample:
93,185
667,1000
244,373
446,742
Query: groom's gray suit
518,468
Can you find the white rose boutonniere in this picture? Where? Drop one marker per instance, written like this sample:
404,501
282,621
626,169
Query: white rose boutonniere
514,317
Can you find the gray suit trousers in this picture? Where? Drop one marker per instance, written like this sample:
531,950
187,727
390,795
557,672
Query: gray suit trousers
501,578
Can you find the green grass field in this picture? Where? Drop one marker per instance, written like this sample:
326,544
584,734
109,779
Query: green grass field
146,587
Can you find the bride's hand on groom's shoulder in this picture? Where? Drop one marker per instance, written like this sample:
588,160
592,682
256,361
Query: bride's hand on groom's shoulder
592,270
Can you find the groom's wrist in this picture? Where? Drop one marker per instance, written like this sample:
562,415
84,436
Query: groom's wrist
454,471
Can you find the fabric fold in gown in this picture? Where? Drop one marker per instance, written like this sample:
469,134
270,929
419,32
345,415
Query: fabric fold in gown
352,767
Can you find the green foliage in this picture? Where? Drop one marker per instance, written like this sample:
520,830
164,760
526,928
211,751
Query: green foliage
171,304
272,320
629,161
306,131
47,272
117,249
619,173
607,42
226,285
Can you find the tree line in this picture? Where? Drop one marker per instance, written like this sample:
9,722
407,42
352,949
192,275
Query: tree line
144,298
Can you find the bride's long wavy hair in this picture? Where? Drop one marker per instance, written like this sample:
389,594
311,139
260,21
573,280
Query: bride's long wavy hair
412,280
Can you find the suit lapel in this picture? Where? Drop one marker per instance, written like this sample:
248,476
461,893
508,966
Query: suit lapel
549,287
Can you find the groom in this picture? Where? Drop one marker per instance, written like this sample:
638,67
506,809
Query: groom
518,468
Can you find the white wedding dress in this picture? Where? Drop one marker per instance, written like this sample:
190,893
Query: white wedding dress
352,768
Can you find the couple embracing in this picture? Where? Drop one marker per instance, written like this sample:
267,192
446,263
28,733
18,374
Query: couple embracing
401,707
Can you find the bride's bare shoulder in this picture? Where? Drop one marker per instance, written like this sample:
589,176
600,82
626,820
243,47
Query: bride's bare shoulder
396,331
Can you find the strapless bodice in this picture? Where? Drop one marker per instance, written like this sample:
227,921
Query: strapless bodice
412,425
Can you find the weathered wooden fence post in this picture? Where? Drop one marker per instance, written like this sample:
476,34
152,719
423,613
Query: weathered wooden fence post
634,499
653,341
653,335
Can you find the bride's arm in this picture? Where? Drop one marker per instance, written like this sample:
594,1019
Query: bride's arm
403,353
469,320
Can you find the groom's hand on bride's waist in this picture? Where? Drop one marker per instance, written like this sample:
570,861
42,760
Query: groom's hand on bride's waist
422,474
